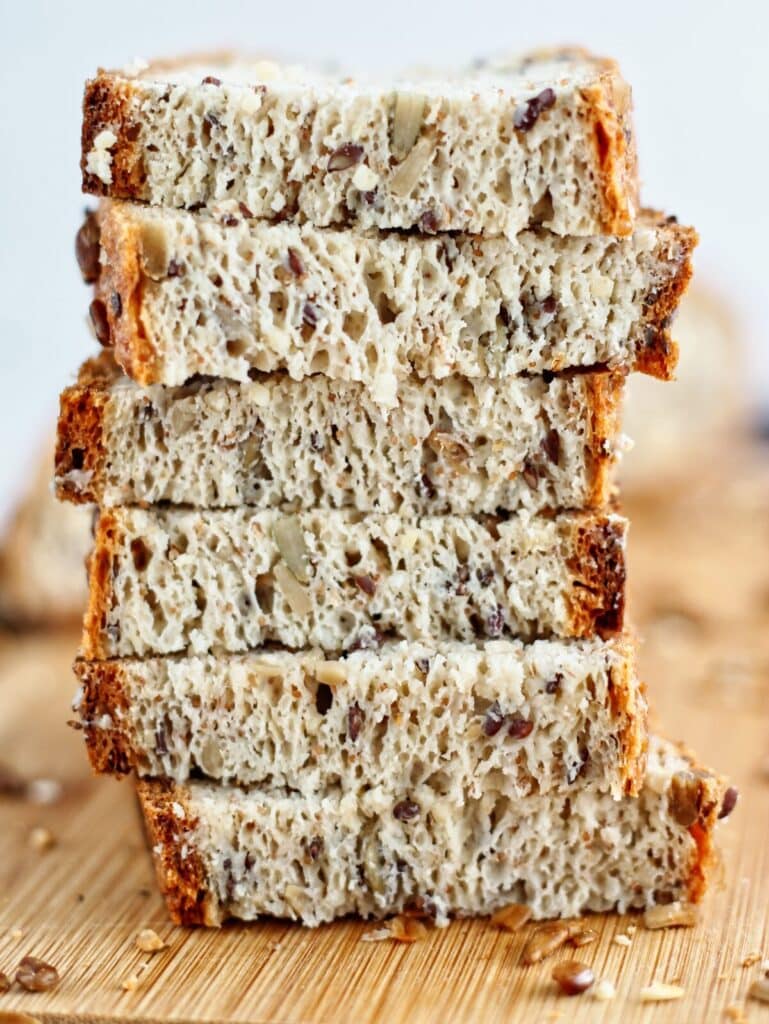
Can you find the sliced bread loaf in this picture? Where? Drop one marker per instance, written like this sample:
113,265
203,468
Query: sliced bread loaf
226,852
460,720
545,137
170,580
452,445
218,294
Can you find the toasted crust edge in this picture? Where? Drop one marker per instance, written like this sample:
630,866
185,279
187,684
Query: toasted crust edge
108,104
106,542
80,455
608,110
170,827
597,599
605,393
657,353
103,695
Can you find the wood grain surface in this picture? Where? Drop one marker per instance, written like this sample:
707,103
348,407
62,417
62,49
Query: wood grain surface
700,587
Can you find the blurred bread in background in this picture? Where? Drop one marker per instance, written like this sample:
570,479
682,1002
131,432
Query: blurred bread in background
685,430
43,547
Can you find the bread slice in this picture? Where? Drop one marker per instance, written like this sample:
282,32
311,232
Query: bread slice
454,445
225,852
170,580
181,293
545,137
43,548
460,720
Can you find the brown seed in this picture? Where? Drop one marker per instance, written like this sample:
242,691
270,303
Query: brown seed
530,474
315,848
345,156
511,918
116,303
355,719
493,721
573,977
140,553
87,248
545,941
554,685
324,698
685,797
310,314
527,114
520,728
175,269
495,622
729,802
98,314
406,810
295,263
245,211
429,222
210,80
36,975
366,583
552,446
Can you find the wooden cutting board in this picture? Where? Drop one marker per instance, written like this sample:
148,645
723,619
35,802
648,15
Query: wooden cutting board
700,581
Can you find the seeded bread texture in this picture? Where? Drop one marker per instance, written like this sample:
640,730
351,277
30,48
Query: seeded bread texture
224,852
467,447
463,720
220,295
164,581
542,138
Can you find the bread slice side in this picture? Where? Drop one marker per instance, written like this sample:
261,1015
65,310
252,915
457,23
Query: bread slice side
466,447
460,719
165,581
251,853
223,295
545,137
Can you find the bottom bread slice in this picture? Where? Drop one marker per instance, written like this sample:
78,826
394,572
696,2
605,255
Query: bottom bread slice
464,720
224,852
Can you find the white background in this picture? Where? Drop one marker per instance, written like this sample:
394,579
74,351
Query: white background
699,72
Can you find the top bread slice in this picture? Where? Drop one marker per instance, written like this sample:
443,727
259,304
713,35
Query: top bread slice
544,138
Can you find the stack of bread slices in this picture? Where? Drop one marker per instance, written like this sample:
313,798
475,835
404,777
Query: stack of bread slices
357,587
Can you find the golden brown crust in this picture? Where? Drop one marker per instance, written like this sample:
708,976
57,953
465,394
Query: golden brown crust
107,540
608,108
597,599
658,353
627,698
120,287
107,104
605,392
80,450
179,869
103,698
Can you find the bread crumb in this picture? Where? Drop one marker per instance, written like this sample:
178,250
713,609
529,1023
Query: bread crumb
377,935
750,959
148,941
130,984
604,991
735,1012
17,934
659,992
621,940
41,839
